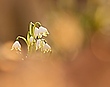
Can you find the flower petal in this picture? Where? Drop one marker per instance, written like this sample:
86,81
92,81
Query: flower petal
46,48
36,32
43,31
16,46
31,39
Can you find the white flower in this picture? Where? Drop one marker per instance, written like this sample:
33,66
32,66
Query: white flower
38,44
46,48
16,46
43,31
41,44
36,32
31,39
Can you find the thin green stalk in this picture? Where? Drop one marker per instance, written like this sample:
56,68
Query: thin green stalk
20,37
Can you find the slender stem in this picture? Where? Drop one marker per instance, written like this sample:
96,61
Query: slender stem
28,46
20,37
32,48
38,24
31,26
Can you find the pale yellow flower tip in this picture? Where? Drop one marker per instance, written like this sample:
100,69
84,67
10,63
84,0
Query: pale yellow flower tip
16,46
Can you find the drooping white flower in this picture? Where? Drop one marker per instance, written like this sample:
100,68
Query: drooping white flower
38,43
43,31
36,32
16,46
41,44
31,39
46,48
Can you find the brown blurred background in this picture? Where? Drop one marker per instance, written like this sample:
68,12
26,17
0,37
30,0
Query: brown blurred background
79,37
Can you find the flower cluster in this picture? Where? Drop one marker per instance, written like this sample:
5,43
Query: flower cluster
35,39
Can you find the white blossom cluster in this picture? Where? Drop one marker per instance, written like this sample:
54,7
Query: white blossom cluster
35,39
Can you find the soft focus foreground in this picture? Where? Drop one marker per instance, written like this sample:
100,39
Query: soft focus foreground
79,37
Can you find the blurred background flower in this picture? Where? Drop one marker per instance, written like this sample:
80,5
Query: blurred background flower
79,37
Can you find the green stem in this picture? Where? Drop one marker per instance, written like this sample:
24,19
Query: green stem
20,37
32,48
28,46
37,24
31,28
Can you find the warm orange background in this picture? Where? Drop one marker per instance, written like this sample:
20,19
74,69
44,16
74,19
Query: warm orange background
79,37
